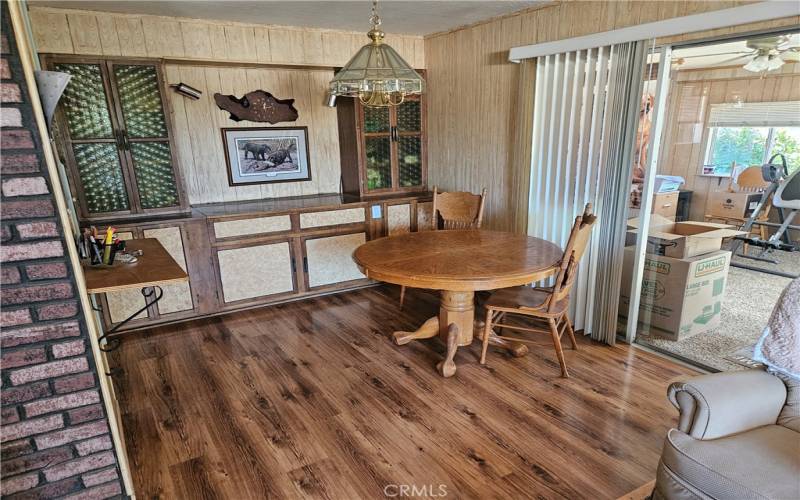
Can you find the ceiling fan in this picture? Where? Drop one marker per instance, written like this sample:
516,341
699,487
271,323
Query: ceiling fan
766,53
770,53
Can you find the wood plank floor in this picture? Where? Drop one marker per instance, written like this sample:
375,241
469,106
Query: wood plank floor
312,399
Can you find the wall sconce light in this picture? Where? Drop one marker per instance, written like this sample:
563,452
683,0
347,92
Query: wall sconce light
330,100
187,91
51,86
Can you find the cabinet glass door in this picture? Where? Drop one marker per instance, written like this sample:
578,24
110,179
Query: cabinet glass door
409,143
91,139
377,148
114,133
147,139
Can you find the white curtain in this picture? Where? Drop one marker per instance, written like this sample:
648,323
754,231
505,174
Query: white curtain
584,124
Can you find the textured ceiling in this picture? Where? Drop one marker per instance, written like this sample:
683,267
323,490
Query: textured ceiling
408,17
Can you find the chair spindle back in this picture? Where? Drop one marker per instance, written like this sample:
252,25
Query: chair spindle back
458,209
576,247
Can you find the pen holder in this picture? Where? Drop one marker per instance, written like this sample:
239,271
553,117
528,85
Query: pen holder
109,259
115,247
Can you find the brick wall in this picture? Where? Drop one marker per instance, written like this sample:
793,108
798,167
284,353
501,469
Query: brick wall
55,434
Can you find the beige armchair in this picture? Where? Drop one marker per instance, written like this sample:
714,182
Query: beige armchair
738,437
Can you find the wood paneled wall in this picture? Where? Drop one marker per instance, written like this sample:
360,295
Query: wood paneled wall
475,95
67,31
686,135
230,58
198,139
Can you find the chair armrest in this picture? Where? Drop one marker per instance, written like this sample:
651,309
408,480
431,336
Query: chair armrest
721,404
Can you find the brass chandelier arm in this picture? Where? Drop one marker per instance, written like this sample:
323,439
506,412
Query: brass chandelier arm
381,99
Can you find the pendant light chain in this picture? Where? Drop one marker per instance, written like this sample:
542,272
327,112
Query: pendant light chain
375,19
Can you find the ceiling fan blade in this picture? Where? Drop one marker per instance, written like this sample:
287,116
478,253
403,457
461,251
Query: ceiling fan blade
791,56
731,59
720,54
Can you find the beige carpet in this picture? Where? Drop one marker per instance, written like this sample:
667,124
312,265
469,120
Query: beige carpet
749,299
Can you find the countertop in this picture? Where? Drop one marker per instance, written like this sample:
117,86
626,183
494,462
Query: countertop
232,209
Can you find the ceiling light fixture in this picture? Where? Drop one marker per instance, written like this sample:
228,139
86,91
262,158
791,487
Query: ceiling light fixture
764,61
377,75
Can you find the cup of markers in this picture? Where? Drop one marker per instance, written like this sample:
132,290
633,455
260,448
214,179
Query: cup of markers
97,249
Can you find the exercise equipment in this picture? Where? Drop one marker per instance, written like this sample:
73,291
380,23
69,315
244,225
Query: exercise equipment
785,192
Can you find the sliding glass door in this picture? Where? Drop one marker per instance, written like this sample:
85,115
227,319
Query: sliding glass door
705,258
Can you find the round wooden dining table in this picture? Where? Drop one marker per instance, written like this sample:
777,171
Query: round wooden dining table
458,263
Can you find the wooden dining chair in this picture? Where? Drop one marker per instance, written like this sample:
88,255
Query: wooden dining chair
454,210
457,210
548,306
751,180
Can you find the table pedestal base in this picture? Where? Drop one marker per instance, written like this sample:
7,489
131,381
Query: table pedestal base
455,326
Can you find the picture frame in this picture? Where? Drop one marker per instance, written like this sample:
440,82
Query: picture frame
265,155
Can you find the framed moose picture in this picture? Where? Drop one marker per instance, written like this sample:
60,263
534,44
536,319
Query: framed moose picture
264,155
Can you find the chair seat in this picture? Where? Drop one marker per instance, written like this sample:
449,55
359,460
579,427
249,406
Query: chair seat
762,463
534,299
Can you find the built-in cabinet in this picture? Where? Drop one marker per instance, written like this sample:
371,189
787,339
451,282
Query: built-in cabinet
114,130
383,150
178,300
115,136
262,252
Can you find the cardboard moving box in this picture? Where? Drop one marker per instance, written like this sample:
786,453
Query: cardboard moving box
680,297
682,239
726,205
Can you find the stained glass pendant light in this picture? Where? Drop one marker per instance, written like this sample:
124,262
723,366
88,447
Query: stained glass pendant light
377,75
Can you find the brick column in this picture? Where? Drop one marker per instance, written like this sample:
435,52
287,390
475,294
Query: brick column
55,434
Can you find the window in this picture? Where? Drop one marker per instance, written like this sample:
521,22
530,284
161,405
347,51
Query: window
749,134
786,140
749,146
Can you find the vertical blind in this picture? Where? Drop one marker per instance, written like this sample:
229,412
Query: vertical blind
581,123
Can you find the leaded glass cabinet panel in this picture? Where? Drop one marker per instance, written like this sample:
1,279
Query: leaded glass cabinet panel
378,148
115,138
409,143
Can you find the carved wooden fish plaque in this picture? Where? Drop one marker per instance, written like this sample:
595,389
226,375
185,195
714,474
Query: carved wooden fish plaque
257,106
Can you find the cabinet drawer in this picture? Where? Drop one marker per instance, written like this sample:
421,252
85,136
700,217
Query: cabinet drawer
256,225
332,217
255,271
666,204
330,259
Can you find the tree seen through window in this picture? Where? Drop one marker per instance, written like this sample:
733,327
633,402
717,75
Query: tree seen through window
748,146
